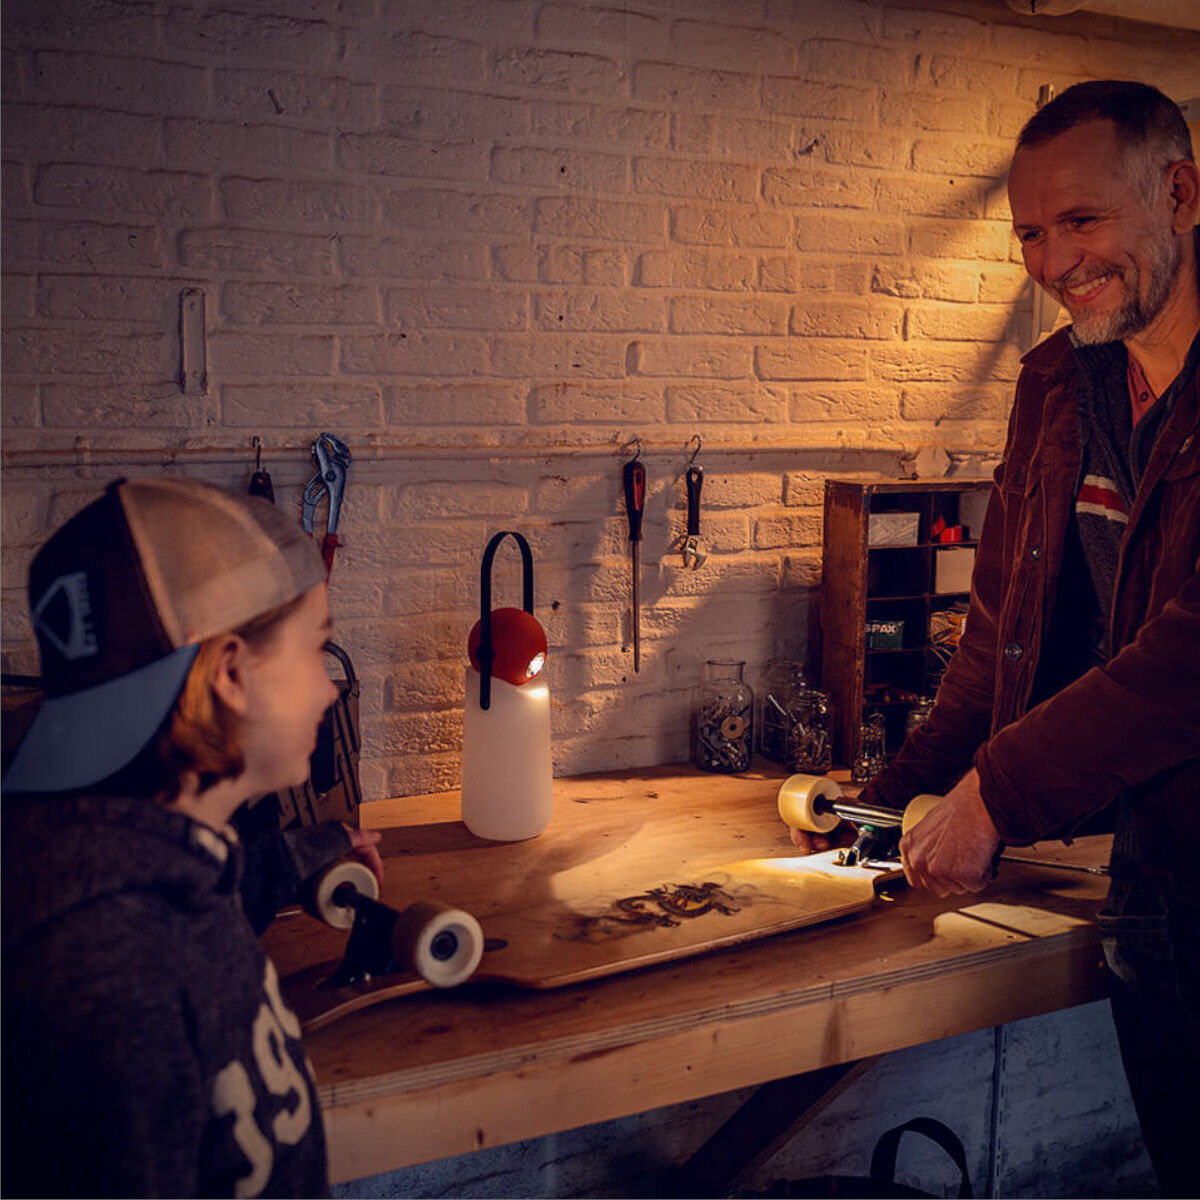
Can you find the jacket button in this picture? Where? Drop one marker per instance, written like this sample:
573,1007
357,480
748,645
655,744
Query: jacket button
1013,651
1036,552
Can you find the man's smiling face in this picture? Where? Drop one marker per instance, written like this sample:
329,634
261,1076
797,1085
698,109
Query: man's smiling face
1088,237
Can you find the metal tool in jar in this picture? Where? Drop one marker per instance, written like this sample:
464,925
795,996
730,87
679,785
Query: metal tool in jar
333,460
634,480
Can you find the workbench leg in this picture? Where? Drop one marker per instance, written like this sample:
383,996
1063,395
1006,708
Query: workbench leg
773,1115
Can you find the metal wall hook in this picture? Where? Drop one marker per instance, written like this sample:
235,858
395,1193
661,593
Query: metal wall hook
637,454
256,442
694,438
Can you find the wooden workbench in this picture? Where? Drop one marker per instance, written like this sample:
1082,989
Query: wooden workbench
438,1074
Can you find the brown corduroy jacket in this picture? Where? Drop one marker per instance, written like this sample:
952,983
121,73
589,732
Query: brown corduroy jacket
1054,741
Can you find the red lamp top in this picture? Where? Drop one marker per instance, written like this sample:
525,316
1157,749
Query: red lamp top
519,643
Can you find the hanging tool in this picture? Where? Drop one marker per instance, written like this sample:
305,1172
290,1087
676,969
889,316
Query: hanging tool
260,481
693,554
635,504
333,460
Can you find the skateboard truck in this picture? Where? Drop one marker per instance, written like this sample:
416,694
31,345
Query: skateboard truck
816,804
441,944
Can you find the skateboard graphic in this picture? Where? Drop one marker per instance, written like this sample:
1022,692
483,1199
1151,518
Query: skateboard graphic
554,943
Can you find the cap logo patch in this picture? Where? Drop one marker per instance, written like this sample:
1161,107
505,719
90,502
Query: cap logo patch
63,617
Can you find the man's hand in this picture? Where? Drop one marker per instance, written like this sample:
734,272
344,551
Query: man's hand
952,849
814,843
362,847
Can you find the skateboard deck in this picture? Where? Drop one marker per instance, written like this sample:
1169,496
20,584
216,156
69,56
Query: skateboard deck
565,941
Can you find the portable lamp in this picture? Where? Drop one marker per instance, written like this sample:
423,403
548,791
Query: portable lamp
507,771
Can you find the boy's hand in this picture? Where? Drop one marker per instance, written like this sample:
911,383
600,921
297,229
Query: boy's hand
815,843
362,847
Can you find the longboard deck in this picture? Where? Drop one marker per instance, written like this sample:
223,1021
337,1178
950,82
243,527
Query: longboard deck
558,943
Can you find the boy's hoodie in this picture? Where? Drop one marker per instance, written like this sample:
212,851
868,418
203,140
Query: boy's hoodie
146,1049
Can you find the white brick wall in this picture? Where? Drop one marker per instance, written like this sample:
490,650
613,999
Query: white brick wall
488,242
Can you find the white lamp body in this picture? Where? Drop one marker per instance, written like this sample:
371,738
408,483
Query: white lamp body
507,770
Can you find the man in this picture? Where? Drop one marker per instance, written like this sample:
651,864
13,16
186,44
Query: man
1077,684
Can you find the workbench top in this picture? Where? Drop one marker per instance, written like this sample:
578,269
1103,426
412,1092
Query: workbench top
435,1074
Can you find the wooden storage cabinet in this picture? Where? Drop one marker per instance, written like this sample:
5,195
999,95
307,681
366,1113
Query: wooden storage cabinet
862,583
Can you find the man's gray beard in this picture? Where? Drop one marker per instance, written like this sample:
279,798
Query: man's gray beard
1135,314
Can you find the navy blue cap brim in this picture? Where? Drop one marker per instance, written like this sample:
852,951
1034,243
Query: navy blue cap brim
81,738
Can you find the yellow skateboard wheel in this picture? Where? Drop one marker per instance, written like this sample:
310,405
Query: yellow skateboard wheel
798,803
318,897
442,944
917,809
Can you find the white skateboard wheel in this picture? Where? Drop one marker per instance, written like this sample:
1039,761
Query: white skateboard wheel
798,803
319,898
442,944
917,809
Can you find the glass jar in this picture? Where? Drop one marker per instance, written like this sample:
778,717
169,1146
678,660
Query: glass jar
872,749
918,714
784,696
810,742
724,718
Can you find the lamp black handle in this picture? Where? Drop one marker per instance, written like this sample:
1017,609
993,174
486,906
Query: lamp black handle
487,651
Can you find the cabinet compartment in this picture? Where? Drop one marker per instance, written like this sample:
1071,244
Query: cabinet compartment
861,582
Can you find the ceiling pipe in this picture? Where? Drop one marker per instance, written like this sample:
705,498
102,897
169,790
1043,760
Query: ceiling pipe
1179,14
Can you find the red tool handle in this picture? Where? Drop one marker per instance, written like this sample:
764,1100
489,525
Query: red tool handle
330,543
635,496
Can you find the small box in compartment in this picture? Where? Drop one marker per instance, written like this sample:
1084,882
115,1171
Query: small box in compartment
893,528
952,570
885,634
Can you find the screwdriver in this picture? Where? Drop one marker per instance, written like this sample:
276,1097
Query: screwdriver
635,504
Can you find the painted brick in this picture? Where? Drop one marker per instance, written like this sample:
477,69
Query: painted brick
486,308
614,28
962,323
155,406
412,56
738,404
17,294
277,94
136,85
408,158
557,70
600,312
569,122
12,75
597,404
703,134
417,354
693,87
813,187
62,131
932,198
413,258
215,144
749,226
928,280
941,112
255,251
428,210
1002,284
14,189
275,202
696,269
251,37
798,96
569,356
84,351
921,362
470,404
117,189
716,314
299,304
108,298
960,239
693,357
603,267
810,360
995,79
451,116
796,273
805,488
88,22
844,403
749,489
788,529
851,235
420,591
433,500
869,320
680,177
611,220
424,686
20,410
714,45
833,58
532,167
860,148
263,353
941,153
935,402
302,405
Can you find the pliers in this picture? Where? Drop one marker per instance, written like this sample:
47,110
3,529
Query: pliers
333,460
